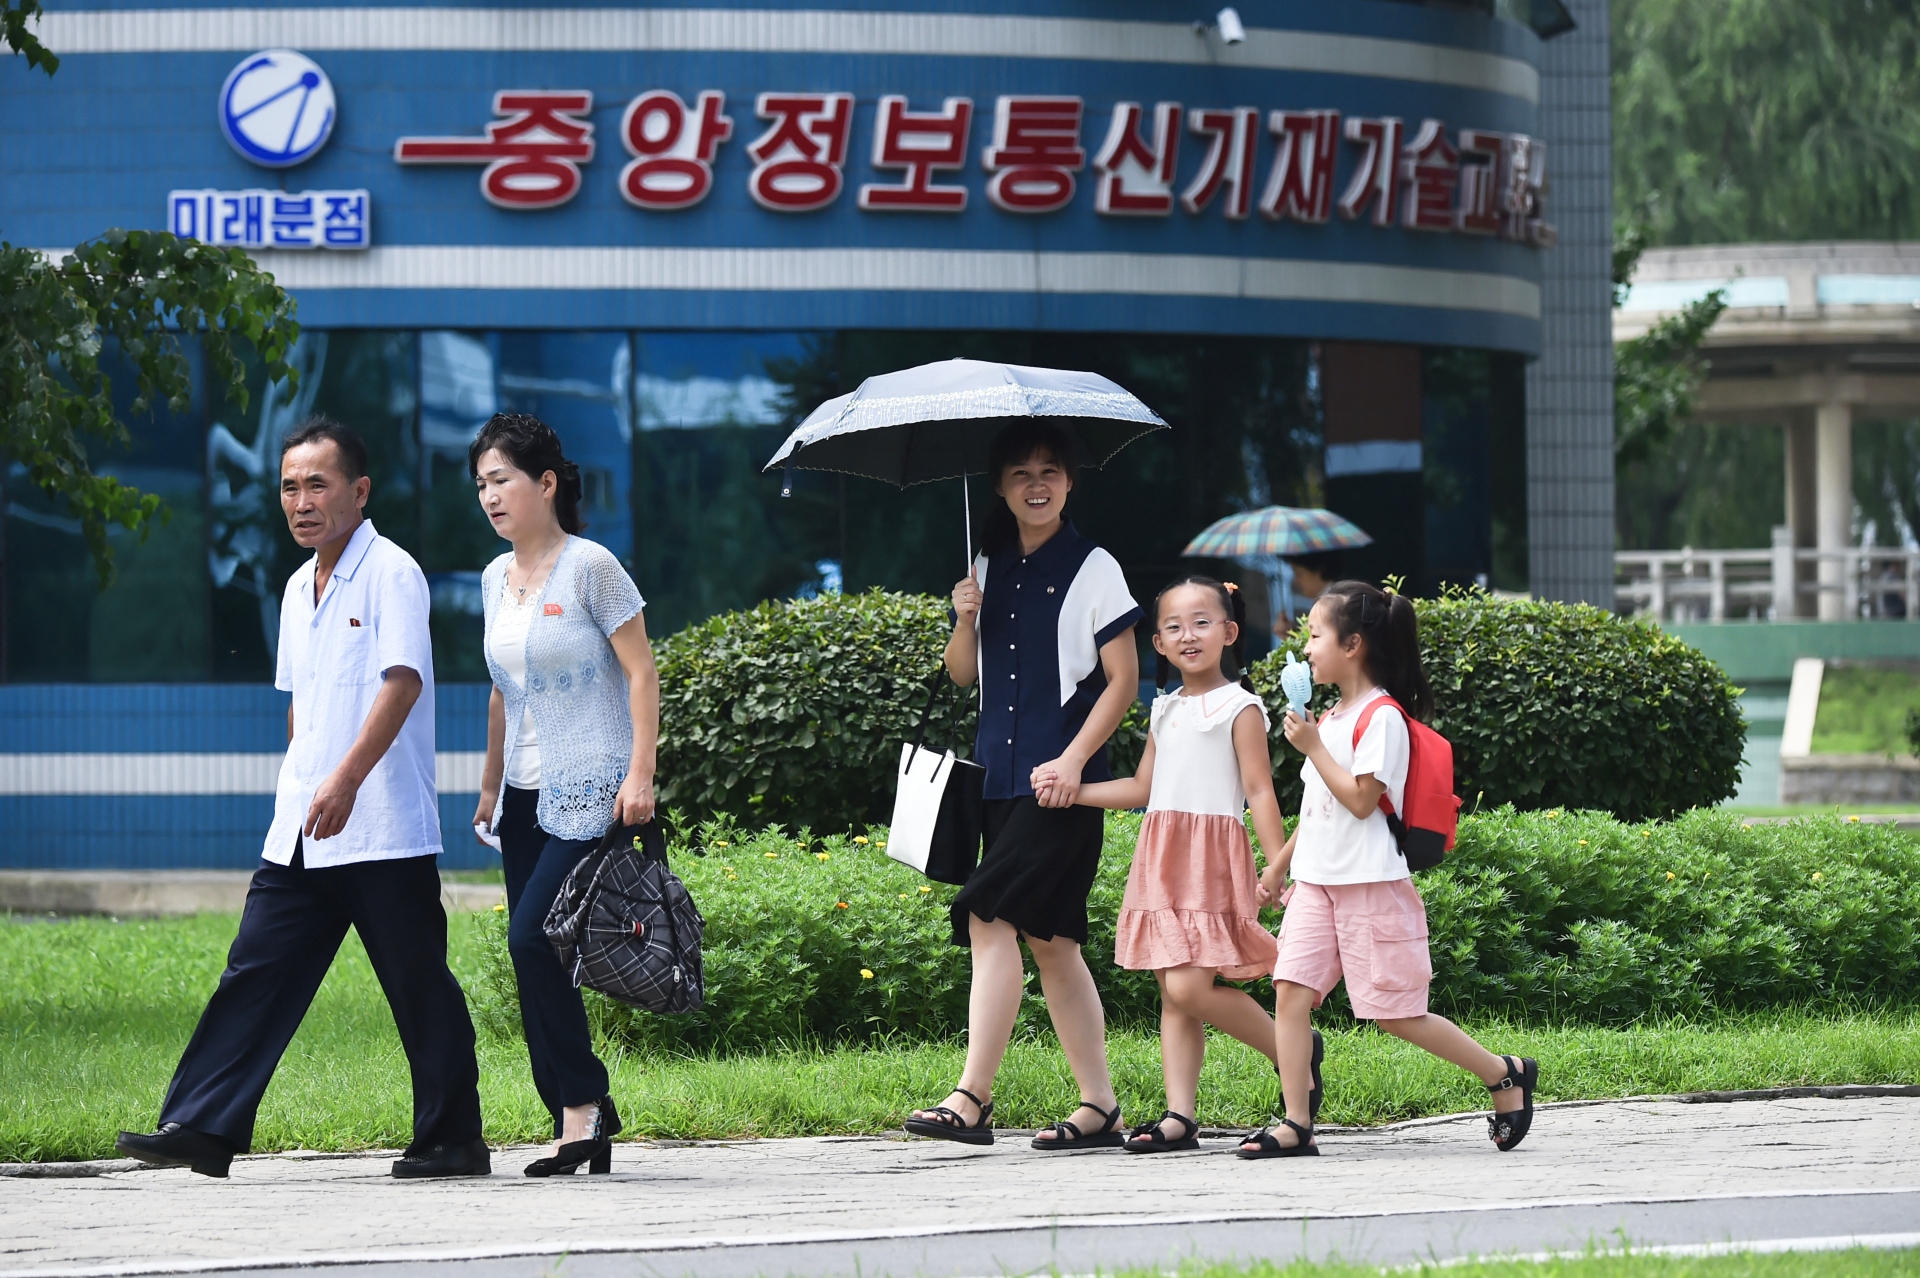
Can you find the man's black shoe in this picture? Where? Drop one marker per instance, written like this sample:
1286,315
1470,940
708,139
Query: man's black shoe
470,1159
177,1146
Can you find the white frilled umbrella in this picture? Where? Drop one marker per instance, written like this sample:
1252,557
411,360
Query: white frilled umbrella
938,420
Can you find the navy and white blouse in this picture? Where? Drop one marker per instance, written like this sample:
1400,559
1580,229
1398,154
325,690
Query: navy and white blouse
1042,622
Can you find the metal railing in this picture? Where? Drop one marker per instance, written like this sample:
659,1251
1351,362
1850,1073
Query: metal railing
1777,583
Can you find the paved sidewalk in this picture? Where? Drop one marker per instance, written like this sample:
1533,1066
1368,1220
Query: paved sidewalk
1662,1171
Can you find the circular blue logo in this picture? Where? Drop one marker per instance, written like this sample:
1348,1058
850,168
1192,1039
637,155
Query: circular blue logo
277,108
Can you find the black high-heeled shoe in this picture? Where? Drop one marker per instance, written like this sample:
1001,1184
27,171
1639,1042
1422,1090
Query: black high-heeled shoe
596,1151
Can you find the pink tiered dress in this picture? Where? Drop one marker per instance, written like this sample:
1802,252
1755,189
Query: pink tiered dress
1190,895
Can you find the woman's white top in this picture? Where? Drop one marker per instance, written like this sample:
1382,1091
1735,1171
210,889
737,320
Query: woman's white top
507,645
573,686
1334,846
1195,768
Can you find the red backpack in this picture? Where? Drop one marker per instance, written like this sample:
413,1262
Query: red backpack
1424,832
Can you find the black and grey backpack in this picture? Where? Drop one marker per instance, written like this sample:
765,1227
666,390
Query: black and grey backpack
625,926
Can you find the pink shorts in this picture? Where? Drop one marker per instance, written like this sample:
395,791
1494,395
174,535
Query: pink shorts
1375,934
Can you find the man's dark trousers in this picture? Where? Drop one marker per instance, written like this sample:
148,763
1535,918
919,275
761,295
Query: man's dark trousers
294,922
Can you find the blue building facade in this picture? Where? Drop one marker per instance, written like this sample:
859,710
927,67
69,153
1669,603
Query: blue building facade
1319,251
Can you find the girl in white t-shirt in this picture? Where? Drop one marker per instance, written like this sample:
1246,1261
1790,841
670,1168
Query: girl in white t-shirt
1352,910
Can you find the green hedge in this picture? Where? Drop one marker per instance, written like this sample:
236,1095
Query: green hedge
794,712
1544,917
1554,705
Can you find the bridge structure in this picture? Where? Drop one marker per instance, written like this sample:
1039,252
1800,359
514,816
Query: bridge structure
1815,336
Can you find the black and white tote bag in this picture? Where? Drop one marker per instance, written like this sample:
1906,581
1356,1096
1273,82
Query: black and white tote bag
936,826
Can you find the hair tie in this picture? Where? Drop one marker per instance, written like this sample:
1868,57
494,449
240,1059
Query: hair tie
1232,587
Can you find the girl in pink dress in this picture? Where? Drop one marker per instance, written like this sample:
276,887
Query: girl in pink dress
1191,911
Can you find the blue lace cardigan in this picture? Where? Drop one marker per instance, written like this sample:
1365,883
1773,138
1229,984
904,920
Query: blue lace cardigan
575,688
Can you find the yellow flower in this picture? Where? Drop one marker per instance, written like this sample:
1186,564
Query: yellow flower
1854,819
1583,843
721,843
821,856
1817,876
499,909
881,844
771,856
1554,815
1646,834
926,889
1669,876
866,974
839,905
906,896
859,838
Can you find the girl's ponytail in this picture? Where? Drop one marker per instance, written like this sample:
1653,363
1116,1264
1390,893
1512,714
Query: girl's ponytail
1387,624
1237,606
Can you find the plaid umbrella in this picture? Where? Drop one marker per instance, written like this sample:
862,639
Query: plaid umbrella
1276,530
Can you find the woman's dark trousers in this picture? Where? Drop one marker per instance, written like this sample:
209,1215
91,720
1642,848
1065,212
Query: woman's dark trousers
559,1045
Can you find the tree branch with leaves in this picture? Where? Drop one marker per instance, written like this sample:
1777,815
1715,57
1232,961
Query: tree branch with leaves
14,16
1656,376
143,291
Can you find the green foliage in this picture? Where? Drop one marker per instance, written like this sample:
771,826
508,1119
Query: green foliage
1751,120
14,16
94,1013
1574,916
1558,705
796,711
1537,917
1655,375
1865,708
138,289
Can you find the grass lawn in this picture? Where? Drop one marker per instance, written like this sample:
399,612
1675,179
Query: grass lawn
1855,1263
1820,810
94,1013
1863,709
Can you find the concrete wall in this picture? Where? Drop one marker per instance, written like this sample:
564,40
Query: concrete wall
1570,387
1759,657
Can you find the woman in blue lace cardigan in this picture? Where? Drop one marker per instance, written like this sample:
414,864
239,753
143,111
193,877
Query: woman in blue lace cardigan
571,733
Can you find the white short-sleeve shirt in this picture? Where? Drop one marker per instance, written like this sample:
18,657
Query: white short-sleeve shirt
1334,845
333,658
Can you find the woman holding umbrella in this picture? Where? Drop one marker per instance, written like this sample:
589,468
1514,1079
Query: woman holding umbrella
1044,623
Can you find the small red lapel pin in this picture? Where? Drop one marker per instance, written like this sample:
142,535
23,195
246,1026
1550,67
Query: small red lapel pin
552,610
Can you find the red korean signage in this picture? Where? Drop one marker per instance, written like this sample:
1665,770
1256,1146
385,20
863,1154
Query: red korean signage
1425,177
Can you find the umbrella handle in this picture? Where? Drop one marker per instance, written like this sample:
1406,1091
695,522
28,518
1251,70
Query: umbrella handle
966,503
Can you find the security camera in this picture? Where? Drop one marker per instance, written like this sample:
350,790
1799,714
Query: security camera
1231,30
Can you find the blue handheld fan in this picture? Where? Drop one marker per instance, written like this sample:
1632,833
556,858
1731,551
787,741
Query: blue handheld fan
1296,681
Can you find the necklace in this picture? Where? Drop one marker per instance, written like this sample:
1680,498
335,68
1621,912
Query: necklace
521,590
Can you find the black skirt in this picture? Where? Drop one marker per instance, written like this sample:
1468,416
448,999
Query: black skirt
1038,869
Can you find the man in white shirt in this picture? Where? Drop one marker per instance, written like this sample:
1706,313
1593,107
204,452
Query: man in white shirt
355,831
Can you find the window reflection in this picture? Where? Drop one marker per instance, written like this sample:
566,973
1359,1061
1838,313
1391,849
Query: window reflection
670,431
692,381
714,533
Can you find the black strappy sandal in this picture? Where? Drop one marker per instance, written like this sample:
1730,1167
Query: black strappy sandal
1067,1135
951,1126
1508,1130
1318,1093
1149,1139
1267,1146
